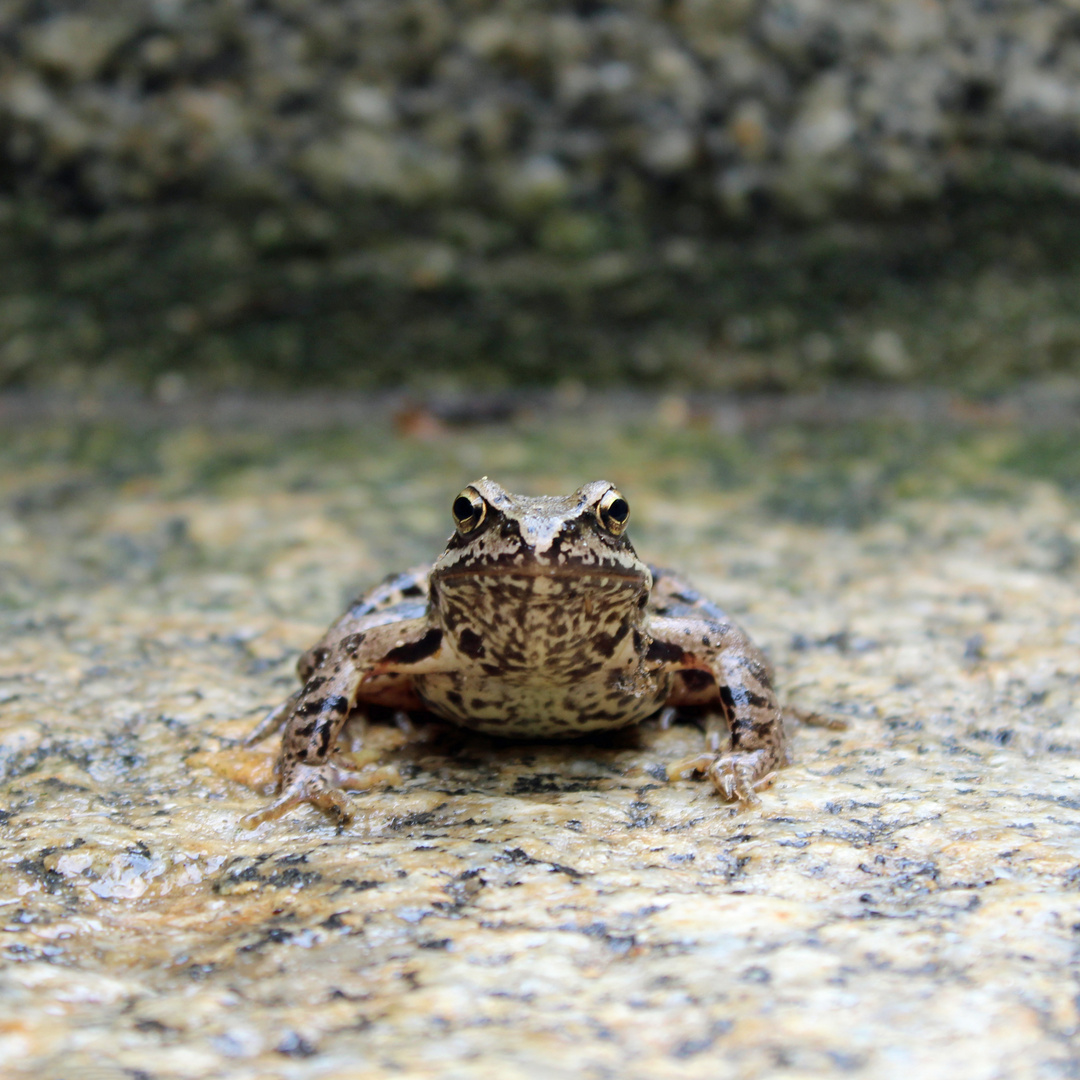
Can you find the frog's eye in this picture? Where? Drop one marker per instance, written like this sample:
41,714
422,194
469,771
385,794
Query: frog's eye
469,511
613,511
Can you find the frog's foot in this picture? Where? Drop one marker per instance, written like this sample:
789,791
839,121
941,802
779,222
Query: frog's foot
738,777
273,721
319,785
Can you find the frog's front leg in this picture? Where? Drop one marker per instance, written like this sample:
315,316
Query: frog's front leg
717,666
358,666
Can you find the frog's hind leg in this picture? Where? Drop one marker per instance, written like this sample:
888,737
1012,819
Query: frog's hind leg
809,718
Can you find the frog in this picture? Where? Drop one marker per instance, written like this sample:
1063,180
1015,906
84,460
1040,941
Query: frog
537,621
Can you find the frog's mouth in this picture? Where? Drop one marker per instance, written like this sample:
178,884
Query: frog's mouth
541,570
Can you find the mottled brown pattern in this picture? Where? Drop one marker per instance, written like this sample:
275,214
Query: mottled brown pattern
538,620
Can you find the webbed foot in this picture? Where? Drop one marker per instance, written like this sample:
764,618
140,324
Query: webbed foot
319,785
737,777
324,786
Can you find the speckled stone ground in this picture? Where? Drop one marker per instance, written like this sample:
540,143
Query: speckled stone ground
905,901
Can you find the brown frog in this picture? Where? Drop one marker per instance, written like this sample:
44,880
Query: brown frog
538,620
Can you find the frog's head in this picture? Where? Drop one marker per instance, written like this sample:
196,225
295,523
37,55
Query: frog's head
577,538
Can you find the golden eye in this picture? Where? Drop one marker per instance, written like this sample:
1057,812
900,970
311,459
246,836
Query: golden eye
613,511
469,511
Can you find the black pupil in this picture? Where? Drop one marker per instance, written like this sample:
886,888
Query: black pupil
463,508
619,510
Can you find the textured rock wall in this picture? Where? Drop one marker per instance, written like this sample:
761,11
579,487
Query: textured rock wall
299,181
515,106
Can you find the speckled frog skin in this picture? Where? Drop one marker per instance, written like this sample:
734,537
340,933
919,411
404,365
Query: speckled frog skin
538,620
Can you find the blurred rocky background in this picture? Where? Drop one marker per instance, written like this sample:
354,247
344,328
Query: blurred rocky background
731,194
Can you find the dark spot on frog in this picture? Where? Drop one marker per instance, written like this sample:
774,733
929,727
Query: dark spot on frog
471,644
605,644
750,698
665,652
333,704
412,651
758,671
696,679
583,670
352,643
326,736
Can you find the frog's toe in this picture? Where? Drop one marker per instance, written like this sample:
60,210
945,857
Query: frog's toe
685,768
309,784
810,718
273,721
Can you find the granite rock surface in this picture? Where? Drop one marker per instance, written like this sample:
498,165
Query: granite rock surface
903,902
